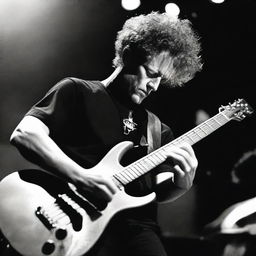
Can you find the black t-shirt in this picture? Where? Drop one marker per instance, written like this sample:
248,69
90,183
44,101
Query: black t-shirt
86,121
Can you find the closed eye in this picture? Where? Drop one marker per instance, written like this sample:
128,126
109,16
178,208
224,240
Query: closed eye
152,73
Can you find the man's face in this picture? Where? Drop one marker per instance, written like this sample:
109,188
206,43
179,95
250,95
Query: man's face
147,77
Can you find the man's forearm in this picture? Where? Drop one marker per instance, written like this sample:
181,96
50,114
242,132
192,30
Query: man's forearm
41,150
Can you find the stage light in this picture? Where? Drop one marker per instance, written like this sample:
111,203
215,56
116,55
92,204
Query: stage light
217,1
172,9
130,5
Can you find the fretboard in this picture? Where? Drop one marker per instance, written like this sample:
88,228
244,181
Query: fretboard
155,158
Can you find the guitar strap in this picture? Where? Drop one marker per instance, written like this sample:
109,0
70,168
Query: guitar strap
153,132
153,140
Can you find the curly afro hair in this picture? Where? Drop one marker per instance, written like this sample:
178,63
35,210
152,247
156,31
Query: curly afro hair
156,32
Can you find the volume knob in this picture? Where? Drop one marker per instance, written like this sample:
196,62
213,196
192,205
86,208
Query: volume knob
48,248
61,233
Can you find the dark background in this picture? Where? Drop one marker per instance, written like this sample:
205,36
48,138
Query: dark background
43,41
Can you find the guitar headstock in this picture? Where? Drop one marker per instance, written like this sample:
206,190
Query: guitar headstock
237,110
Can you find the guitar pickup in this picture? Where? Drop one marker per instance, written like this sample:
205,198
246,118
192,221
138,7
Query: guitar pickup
68,206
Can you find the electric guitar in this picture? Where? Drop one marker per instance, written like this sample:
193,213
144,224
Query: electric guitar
42,215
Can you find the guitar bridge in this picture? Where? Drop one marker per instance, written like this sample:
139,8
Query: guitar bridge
45,218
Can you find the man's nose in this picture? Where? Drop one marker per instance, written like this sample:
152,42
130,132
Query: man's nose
153,85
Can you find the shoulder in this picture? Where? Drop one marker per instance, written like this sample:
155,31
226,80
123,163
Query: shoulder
78,84
89,85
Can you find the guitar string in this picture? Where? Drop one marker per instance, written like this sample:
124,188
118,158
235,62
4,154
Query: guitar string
191,137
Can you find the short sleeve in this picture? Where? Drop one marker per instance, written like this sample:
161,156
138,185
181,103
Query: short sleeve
57,106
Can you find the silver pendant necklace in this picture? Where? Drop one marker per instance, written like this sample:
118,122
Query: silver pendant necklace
129,125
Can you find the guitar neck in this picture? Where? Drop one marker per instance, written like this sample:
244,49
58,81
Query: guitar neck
155,158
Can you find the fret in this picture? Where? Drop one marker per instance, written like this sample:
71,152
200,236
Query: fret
209,126
202,129
128,178
130,172
223,118
162,154
117,182
216,120
156,160
188,139
201,132
214,124
142,167
223,115
137,172
144,162
195,136
133,171
197,132
119,177
151,161
159,157
178,141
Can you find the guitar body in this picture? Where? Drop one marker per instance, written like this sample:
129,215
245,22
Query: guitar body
40,214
